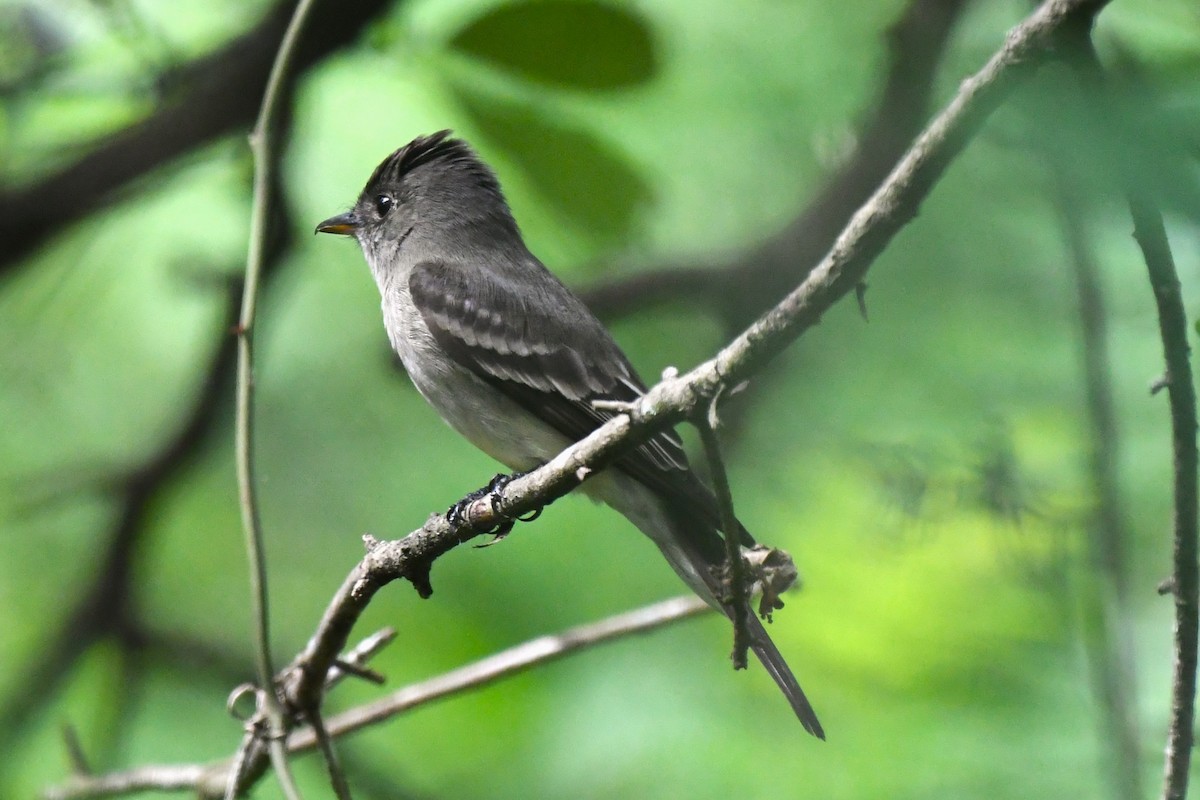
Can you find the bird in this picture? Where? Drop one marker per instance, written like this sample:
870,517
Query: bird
514,361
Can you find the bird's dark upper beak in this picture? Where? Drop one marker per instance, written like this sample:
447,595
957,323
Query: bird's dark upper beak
343,224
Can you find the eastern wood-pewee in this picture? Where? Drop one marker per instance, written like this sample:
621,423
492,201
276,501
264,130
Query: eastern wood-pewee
513,361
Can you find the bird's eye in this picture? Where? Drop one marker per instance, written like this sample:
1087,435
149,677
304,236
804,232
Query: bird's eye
383,204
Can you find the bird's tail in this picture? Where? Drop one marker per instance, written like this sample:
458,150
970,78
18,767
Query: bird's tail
694,548
772,659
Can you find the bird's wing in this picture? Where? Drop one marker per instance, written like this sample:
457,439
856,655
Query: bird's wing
544,349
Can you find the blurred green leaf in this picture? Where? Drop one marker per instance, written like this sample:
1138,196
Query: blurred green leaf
579,176
580,45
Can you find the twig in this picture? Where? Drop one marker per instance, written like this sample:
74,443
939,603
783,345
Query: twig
261,144
79,761
337,776
355,661
152,777
739,597
1152,238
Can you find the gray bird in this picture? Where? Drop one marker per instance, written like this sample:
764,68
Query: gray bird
513,360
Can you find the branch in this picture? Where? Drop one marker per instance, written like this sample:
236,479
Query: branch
217,94
739,595
1107,633
262,145
209,779
1152,238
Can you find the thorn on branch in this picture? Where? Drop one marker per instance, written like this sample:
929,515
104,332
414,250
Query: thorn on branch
860,294
1159,383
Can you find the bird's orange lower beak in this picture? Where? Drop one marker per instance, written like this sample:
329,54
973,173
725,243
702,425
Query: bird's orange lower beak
343,224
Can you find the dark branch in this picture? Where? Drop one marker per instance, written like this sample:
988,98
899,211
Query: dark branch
216,95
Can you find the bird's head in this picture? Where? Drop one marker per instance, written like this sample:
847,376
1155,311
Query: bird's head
433,189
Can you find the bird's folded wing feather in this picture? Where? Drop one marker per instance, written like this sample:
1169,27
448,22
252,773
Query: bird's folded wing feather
545,350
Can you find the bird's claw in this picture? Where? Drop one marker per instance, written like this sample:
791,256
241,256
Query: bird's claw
458,514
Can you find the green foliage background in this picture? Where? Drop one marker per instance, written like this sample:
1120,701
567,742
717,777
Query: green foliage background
926,469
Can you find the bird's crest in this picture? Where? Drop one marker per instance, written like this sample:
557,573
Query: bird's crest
436,147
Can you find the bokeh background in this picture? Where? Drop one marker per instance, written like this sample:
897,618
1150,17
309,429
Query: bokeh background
979,615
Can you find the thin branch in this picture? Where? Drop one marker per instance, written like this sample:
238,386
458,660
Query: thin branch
507,663
337,776
1151,236
149,778
261,145
207,779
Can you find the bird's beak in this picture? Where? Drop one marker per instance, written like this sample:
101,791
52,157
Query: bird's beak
343,224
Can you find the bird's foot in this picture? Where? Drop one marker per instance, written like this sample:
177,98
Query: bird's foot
459,514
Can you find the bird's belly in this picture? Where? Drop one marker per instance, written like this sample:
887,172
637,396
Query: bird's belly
475,409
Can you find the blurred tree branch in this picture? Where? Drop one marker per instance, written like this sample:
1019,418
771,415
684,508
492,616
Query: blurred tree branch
215,95
106,608
740,289
1108,634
